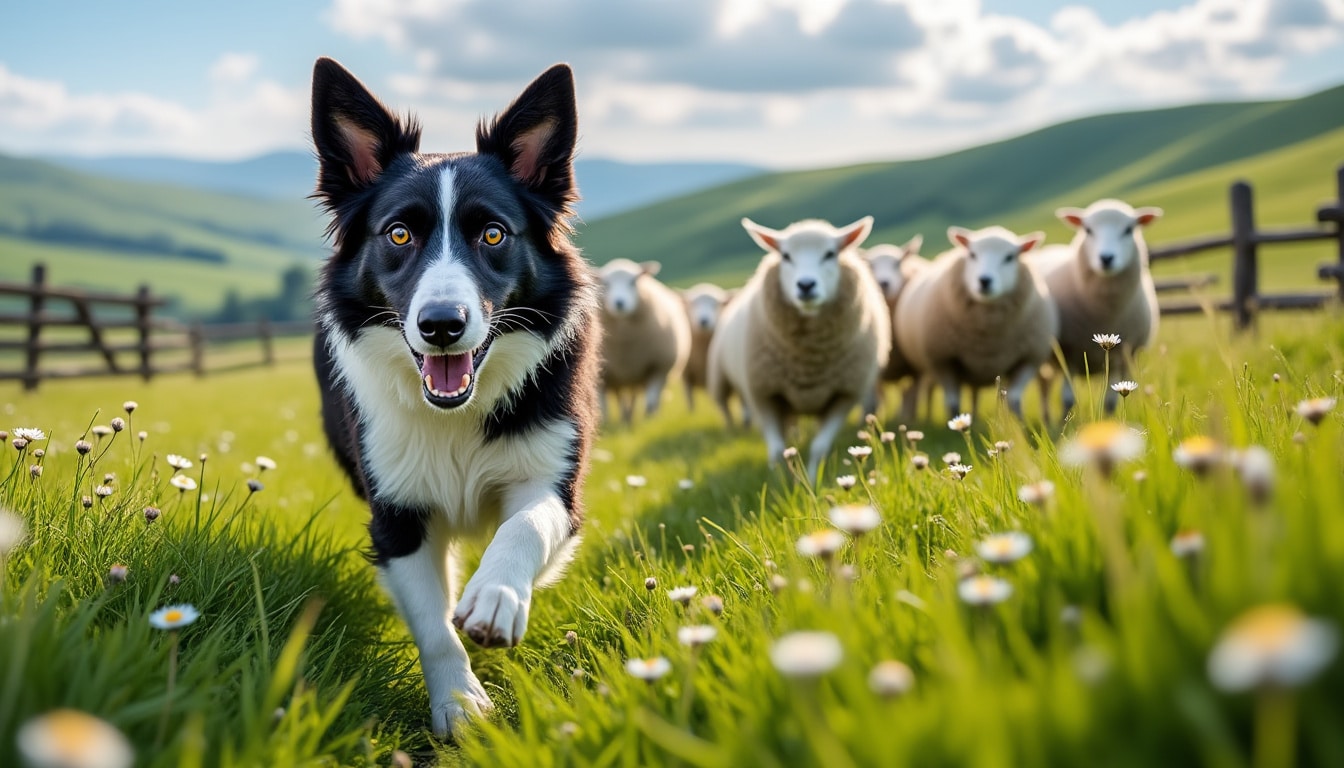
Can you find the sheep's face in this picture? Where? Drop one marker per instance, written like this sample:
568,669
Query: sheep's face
809,258
886,260
1108,234
620,285
993,265
703,308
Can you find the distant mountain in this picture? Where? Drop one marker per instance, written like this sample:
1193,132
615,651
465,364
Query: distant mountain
608,186
698,235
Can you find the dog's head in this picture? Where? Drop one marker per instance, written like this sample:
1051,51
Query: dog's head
454,251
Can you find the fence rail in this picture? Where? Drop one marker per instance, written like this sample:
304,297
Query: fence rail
145,338
1245,241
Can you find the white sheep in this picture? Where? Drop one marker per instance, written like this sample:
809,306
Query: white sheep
1101,284
893,266
978,315
704,304
807,336
646,337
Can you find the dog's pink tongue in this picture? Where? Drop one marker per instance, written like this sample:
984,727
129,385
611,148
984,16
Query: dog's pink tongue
447,373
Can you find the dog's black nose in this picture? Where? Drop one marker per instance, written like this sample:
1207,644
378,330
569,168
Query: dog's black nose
442,324
807,287
986,283
1107,259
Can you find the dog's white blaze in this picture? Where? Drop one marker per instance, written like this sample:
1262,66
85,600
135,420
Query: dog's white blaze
422,456
447,280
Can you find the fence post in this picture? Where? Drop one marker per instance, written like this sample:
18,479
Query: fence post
1245,279
1339,228
267,347
142,308
31,376
197,338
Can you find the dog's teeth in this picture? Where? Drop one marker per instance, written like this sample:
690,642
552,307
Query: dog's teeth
466,381
429,382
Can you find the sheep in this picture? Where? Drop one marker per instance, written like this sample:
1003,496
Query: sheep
1101,284
704,304
893,266
807,336
646,337
978,315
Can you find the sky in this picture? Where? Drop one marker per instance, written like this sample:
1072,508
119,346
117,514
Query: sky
779,83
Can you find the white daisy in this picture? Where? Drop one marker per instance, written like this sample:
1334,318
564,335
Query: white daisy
1036,493
648,669
1199,454
960,423
1313,410
1126,387
1004,548
1255,467
686,484
696,635
1103,443
178,462
264,463
984,590
1272,645
636,481
855,519
183,483
682,595
824,543
860,451
1187,543
914,435
890,679
846,481
806,654
960,471
67,738
920,461
1106,341
174,616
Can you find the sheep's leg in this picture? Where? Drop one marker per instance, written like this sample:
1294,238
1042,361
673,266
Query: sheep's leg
1043,384
625,398
772,428
975,403
690,397
910,400
831,422
873,400
653,395
951,392
1067,399
1018,385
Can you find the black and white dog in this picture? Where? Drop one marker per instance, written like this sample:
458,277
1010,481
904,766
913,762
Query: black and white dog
457,359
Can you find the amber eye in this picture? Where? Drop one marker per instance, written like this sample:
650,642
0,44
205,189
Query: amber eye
399,234
493,235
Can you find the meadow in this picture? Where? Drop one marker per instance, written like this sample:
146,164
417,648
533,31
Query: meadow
1094,648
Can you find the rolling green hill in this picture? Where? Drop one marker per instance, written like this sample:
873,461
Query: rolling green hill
114,234
1146,156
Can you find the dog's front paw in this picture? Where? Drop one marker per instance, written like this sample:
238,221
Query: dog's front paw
465,700
494,615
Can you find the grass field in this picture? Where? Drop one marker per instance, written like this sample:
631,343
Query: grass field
1098,656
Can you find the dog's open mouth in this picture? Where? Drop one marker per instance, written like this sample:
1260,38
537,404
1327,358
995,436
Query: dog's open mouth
448,380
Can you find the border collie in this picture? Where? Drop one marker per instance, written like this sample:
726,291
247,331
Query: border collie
457,360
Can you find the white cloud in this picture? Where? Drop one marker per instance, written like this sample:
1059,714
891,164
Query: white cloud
235,68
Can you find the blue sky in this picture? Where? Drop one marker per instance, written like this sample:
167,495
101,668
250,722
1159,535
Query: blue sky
785,83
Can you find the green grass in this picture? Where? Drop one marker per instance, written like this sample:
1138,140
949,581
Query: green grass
1016,182
292,618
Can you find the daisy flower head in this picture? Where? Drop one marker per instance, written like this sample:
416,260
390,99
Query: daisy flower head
920,461
129,406
960,471
1255,467
1037,493
254,485
634,481
855,519
30,434
1106,341
1004,548
183,483
1199,454
790,453
914,435
1187,542
82,447
1103,444
682,595
846,482
174,616
264,463
806,654
649,669
951,457
685,484
696,635
960,423
12,531
1271,645
890,679
1125,388
713,604
823,543
178,462
101,430
68,738
1313,410
888,437
102,491
860,452
118,424
984,590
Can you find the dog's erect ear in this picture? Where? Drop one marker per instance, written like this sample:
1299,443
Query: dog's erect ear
355,135
535,136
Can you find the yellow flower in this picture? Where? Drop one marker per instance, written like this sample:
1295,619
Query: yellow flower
1274,644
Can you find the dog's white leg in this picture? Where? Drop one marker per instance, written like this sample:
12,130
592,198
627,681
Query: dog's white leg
832,421
534,535
420,585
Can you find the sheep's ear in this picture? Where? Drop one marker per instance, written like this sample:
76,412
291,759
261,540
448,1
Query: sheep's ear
651,268
729,294
959,236
912,246
1071,216
535,136
1027,242
354,134
765,237
855,233
1146,216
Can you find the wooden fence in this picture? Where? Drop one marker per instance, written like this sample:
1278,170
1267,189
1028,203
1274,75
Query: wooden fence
113,327
1245,241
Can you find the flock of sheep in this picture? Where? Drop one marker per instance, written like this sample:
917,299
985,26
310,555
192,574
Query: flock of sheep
823,322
